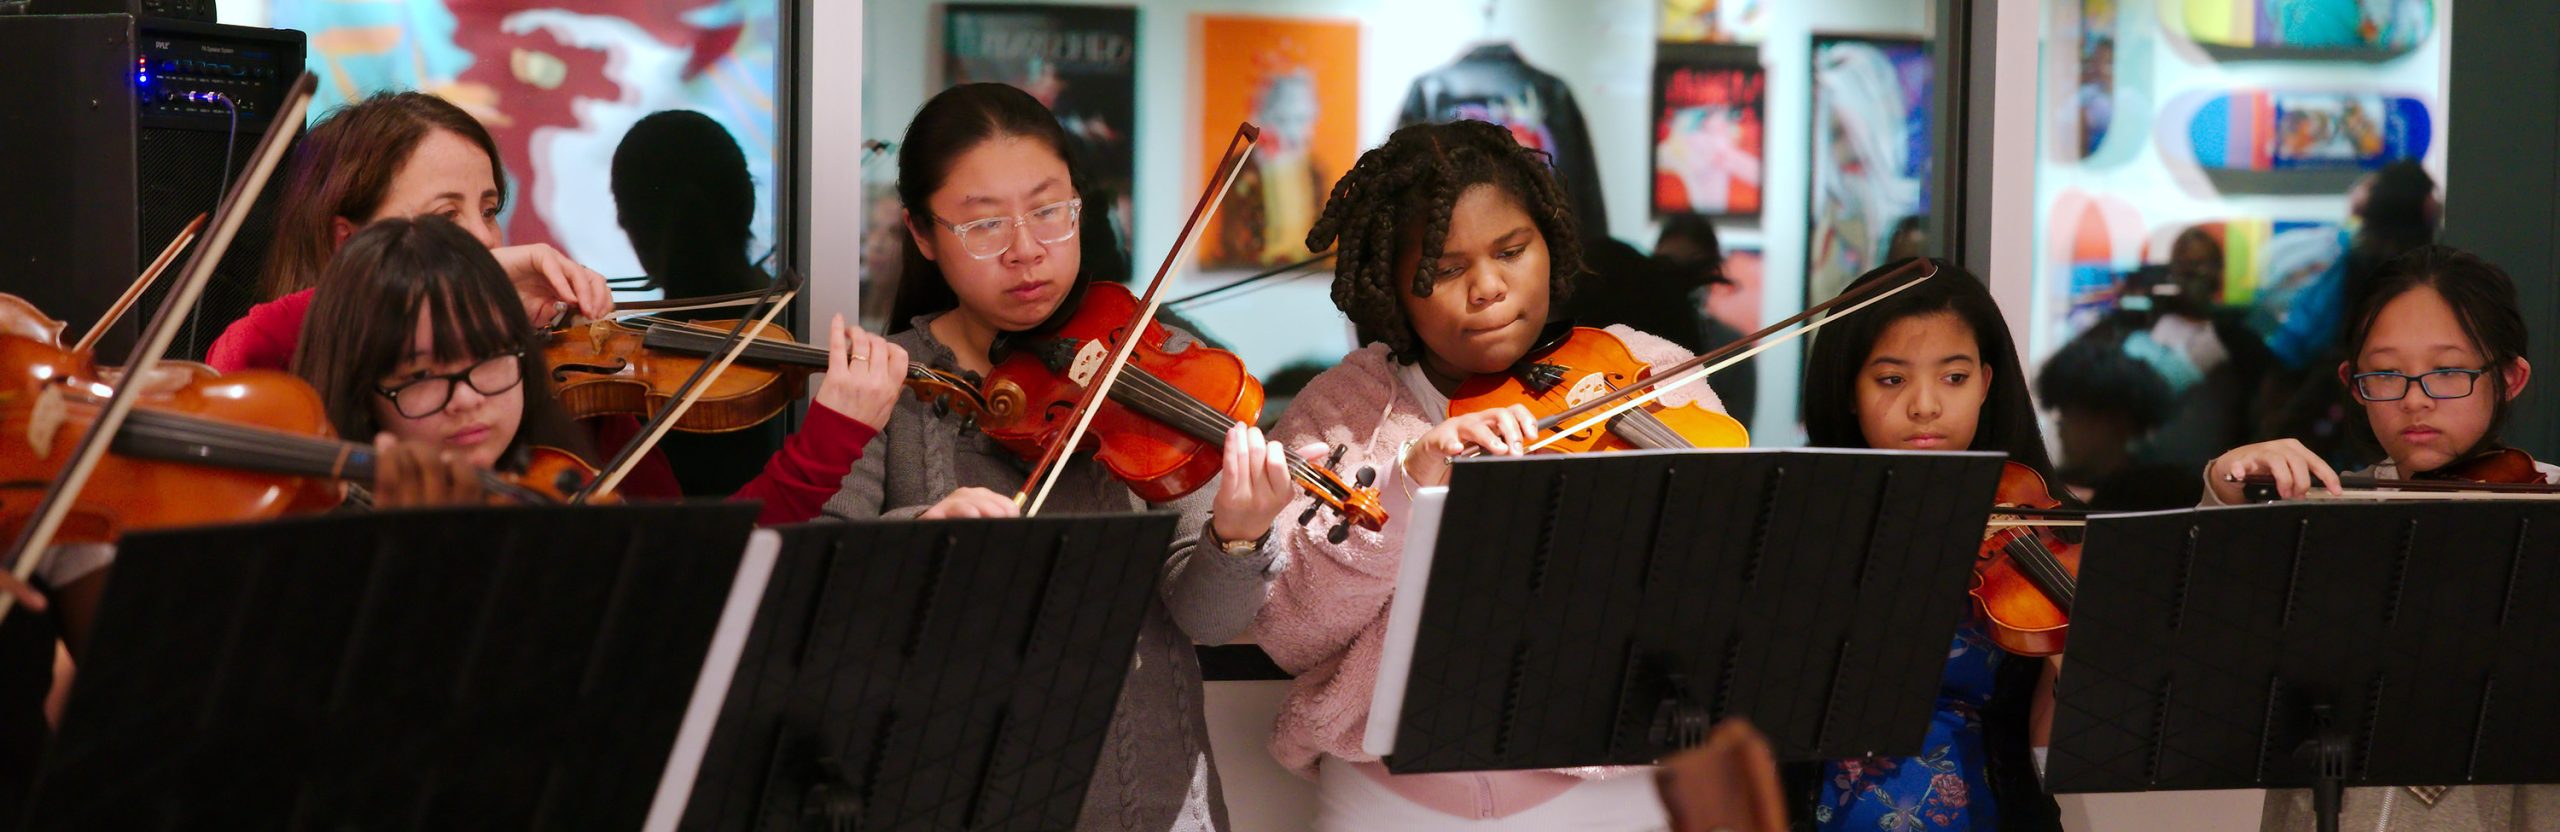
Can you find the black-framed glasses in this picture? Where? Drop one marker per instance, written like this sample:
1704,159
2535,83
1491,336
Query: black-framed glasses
420,398
1050,224
2438,384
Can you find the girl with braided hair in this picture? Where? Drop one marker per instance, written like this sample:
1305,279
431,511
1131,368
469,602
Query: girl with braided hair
1454,243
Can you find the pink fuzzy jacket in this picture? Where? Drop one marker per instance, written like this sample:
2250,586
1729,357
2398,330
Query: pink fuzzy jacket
1327,615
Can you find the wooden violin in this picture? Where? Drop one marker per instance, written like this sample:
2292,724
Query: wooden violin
601,368
2024,577
1155,406
2495,474
1162,429
1636,387
1585,364
199,448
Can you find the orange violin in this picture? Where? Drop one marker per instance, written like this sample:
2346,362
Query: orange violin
1585,365
1163,428
2024,577
200,448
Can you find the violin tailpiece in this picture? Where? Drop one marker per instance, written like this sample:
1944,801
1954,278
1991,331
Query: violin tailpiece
1541,377
1058,354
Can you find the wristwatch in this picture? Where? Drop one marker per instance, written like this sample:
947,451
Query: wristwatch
1238,548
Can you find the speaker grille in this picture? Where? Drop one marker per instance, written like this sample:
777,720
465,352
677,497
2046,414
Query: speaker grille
180,176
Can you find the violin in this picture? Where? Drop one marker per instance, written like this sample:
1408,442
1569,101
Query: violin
1633,388
770,373
1586,364
198,449
1163,428
2500,473
2024,577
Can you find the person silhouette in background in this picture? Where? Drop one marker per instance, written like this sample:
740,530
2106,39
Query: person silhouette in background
682,194
1687,250
2397,211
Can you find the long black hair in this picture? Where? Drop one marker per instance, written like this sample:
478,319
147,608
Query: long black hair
2008,419
367,305
1417,177
950,125
2007,423
2483,298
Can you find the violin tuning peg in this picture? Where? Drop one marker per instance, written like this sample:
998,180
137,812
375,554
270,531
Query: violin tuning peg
1308,516
1366,476
1336,457
1341,532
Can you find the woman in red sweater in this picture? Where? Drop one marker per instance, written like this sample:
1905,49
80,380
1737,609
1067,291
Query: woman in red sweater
413,155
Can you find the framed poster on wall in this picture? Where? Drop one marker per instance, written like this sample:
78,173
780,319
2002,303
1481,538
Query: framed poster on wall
1871,157
1299,80
1709,107
1081,61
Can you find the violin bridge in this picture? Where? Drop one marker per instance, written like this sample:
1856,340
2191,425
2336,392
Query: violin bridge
45,420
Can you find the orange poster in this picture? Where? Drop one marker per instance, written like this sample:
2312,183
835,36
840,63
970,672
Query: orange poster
1298,80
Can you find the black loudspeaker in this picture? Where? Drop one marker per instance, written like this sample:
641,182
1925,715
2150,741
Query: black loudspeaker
116,139
196,10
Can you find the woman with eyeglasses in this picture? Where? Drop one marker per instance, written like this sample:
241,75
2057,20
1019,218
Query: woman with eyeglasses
416,340
993,202
2436,356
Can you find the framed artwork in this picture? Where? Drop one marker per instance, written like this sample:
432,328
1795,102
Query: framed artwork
1081,61
1714,21
1871,157
1709,104
559,84
1298,80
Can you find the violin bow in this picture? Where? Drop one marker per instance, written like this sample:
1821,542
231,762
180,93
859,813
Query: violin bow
1239,283
772,300
638,308
1678,375
1044,474
28,551
141,284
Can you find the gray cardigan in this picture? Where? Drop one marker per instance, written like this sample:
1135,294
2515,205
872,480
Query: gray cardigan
1156,772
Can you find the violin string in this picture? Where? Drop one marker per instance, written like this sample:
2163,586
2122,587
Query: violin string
2043,569
1185,412
2032,558
1169,404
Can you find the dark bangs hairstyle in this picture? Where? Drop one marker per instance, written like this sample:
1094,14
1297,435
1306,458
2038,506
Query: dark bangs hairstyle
950,125
1840,350
345,166
2483,298
366,310
1401,194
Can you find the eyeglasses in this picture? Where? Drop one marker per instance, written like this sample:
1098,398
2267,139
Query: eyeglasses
2438,384
1050,224
423,397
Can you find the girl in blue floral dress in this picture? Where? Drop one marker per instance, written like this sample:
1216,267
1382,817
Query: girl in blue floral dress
1932,368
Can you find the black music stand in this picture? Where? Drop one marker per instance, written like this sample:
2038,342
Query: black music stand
450,669
1605,609
2320,645
932,675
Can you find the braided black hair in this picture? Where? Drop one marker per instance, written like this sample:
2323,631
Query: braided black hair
1417,177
